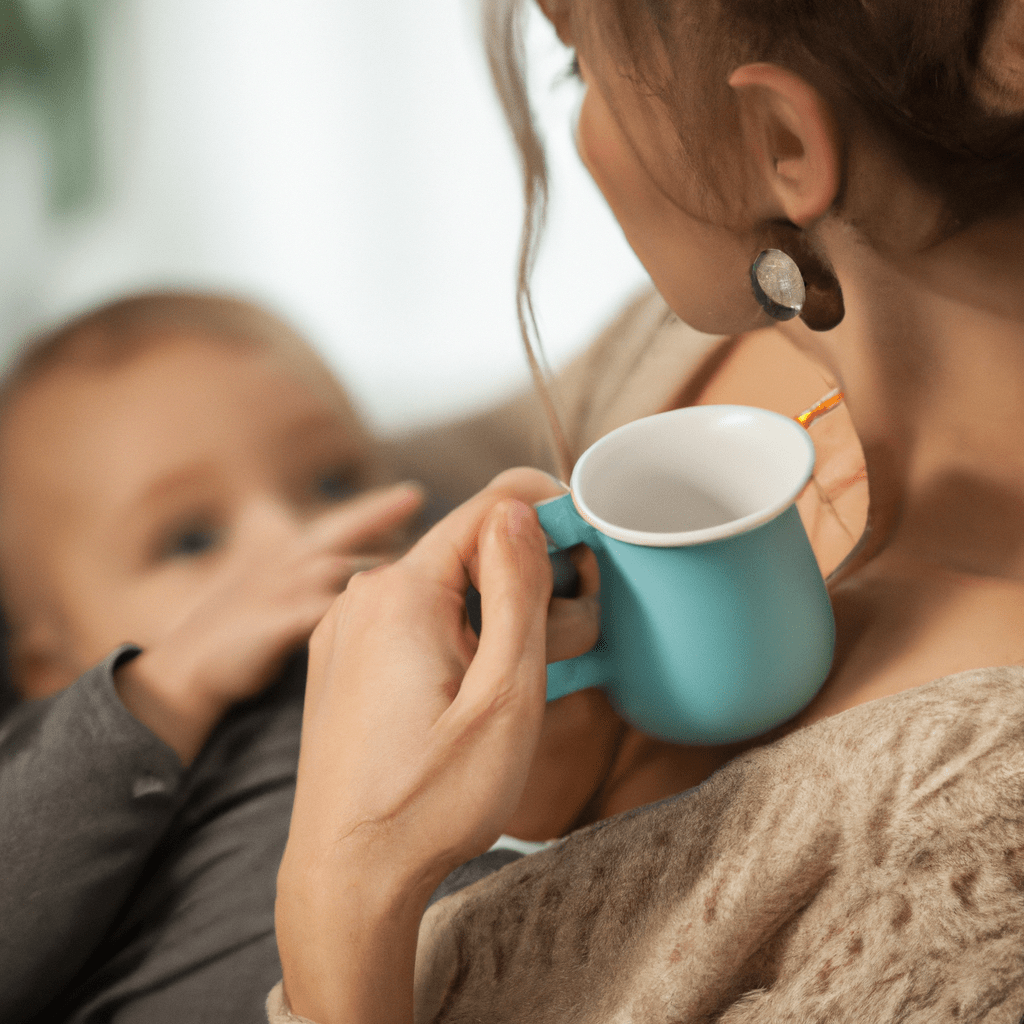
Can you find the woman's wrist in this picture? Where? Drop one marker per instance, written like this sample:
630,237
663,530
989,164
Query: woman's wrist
347,925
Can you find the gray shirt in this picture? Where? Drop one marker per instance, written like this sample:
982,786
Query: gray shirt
132,889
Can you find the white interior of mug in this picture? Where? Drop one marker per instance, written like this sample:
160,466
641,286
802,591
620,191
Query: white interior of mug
692,475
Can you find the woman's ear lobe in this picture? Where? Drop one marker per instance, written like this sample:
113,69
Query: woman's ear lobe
790,134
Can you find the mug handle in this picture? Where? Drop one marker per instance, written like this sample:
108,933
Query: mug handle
565,527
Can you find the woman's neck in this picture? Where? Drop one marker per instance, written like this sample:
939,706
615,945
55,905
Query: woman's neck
931,360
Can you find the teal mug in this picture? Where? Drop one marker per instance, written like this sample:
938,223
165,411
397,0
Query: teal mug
715,622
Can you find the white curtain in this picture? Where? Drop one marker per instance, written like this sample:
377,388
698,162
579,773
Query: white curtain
343,161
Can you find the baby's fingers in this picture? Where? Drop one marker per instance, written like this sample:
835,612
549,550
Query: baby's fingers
368,517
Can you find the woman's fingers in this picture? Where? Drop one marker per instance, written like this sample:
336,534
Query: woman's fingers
515,592
493,724
573,626
525,484
589,574
448,550
574,623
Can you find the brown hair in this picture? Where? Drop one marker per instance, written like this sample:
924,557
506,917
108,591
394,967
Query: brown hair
117,331
928,75
941,81
506,55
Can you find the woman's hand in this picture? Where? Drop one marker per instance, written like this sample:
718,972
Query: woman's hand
417,741
230,644
573,623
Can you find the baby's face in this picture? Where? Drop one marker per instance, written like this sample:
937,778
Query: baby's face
127,490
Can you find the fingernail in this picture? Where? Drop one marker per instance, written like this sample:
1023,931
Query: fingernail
516,517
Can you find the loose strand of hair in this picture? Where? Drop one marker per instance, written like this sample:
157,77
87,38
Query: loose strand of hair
503,24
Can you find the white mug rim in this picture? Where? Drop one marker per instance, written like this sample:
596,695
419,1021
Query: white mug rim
689,538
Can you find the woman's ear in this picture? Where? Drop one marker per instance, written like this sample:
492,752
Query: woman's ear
559,13
790,134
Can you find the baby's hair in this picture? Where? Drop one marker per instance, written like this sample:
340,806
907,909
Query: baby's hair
117,331
942,81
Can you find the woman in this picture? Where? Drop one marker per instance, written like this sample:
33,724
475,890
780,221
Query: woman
881,148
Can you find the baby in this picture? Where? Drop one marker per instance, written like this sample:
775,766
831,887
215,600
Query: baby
184,489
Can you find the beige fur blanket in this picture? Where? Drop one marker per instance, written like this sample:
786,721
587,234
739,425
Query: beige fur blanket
868,869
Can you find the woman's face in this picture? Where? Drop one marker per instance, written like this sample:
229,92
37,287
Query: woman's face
632,150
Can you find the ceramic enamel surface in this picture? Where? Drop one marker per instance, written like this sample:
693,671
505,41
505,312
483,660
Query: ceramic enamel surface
712,633
692,475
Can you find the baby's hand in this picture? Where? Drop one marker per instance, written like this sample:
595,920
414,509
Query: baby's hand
238,633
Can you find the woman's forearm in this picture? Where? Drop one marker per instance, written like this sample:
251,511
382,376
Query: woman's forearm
417,740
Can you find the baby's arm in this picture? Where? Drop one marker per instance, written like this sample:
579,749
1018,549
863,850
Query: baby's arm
87,791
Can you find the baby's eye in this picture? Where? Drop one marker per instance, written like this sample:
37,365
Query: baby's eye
336,485
190,541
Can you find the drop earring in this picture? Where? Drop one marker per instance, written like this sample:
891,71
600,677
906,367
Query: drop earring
792,277
778,284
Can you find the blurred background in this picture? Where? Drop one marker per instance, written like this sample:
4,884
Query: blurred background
343,161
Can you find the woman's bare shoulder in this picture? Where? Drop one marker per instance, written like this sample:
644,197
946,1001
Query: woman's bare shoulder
764,369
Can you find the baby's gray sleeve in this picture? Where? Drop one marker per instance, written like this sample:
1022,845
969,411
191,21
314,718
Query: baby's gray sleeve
86,792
